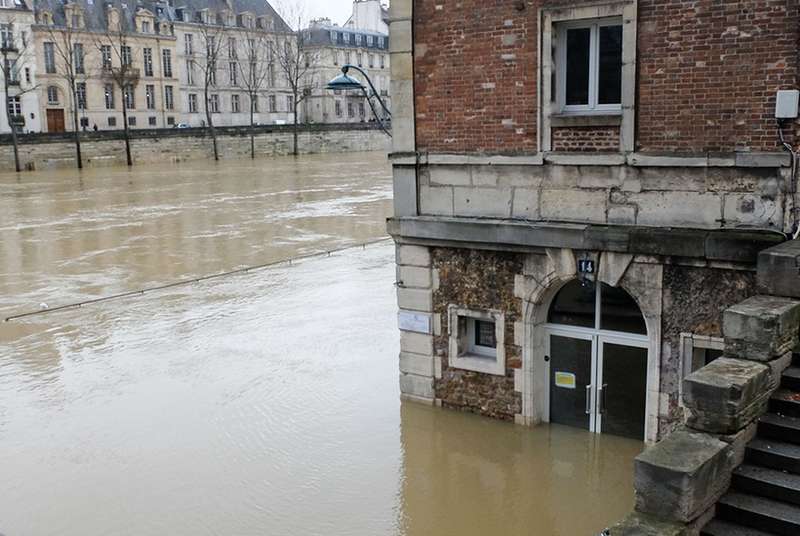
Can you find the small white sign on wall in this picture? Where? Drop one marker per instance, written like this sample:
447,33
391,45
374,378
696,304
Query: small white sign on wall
416,322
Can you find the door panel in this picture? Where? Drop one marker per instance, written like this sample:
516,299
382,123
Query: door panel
55,120
570,374
624,390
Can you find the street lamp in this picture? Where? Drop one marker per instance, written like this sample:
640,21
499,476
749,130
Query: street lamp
346,82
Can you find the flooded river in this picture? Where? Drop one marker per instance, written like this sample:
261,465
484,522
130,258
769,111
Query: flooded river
257,404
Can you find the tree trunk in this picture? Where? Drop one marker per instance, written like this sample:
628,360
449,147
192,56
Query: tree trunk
252,131
211,125
77,127
294,151
125,130
12,126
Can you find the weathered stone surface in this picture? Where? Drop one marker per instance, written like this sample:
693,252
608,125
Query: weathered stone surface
418,386
726,395
682,476
419,365
415,299
779,270
414,276
637,524
478,280
413,255
761,328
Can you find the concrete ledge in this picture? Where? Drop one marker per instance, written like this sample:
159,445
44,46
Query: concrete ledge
487,233
681,477
726,395
637,524
761,328
779,270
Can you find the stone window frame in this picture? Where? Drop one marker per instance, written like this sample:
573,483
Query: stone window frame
495,365
550,115
689,342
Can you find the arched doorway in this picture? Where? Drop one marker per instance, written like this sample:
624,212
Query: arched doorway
597,355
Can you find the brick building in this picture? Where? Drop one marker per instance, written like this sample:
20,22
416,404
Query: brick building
581,188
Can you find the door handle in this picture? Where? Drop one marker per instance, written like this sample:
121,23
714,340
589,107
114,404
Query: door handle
601,398
589,399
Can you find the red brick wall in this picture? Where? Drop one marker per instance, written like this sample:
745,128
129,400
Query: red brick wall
468,97
586,139
708,71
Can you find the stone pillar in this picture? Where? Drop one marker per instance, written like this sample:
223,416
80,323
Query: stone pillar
401,56
416,320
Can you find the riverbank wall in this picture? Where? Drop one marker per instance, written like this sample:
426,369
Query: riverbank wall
148,146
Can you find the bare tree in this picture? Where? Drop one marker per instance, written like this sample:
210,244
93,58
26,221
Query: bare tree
254,68
111,44
68,51
16,55
296,60
212,35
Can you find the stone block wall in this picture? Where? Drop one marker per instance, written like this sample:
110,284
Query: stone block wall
698,197
477,280
48,151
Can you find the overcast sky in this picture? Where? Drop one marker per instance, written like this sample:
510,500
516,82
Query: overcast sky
336,10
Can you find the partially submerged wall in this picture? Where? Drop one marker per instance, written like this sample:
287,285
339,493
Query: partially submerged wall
46,151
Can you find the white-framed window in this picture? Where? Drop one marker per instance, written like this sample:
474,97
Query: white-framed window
273,105
151,121
477,340
289,103
126,56
589,66
233,73
49,58
369,40
338,108
213,103
52,95
192,103
129,95
166,63
105,56
190,72
14,106
169,98
80,91
109,96
188,44
235,108
148,61
697,351
77,58
145,26
150,96
358,39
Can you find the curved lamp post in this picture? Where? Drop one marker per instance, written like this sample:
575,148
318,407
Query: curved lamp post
345,82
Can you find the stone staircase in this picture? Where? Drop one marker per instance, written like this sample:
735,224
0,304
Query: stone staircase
764,496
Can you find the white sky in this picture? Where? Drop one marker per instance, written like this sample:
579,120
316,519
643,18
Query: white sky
337,10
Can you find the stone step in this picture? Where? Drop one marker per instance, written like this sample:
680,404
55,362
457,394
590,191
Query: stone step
760,513
782,428
774,454
785,402
791,378
718,527
766,482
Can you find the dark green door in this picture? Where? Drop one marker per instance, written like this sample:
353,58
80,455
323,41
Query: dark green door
570,380
623,397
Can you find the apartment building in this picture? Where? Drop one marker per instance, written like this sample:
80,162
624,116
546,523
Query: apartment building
18,68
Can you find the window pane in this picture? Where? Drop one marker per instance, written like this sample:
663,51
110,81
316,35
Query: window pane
578,43
619,312
609,90
484,334
574,305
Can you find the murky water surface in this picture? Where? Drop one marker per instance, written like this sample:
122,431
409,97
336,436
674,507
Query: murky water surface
264,403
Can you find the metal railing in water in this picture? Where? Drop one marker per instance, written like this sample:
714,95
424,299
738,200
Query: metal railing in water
193,280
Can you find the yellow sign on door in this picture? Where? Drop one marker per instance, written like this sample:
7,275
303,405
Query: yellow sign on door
565,380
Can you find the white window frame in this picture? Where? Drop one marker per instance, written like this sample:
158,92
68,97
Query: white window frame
594,67
463,353
52,91
689,343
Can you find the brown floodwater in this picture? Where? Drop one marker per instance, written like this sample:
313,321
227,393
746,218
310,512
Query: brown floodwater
260,403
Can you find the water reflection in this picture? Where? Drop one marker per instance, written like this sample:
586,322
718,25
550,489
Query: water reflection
469,475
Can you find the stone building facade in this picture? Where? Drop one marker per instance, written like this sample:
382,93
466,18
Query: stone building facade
333,46
581,189
18,63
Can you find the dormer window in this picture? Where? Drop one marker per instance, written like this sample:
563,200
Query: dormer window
146,27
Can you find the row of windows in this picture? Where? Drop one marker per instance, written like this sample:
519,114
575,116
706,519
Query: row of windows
237,103
252,74
351,109
106,58
346,57
348,38
109,96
